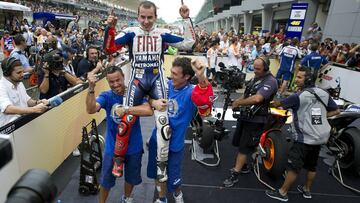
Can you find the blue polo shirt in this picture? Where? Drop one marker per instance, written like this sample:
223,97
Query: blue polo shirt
314,60
18,54
181,111
106,100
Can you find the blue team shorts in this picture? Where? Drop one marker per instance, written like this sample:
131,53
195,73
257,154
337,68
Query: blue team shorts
286,75
132,170
173,168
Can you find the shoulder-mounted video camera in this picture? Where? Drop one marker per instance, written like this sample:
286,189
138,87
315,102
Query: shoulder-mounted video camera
230,78
54,60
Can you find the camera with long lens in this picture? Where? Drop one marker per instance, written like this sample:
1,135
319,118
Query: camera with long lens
230,78
35,186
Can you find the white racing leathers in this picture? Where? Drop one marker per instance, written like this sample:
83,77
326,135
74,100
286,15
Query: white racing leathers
146,54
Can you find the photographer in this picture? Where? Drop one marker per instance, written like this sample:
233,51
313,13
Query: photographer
258,94
53,79
341,53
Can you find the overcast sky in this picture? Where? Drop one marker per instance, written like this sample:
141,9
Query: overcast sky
169,9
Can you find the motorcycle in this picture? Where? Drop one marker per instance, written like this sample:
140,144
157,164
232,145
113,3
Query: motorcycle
343,144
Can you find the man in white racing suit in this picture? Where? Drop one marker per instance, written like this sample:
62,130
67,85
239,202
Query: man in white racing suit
146,46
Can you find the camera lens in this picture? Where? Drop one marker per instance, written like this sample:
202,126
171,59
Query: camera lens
35,186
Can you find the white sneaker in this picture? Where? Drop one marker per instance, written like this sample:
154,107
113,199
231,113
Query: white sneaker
76,152
127,199
179,198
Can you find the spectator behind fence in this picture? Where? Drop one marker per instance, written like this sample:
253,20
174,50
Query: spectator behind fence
7,44
14,101
69,55
19,52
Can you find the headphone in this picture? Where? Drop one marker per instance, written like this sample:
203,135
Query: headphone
6,66
91,47
266,62
309,77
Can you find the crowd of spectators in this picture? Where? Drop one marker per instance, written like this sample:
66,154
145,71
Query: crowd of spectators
247,47
92,9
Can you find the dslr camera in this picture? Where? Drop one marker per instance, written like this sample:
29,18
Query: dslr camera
230,78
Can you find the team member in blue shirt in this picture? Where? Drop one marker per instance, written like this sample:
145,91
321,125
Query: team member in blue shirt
107,100
184,101
288,56
314,60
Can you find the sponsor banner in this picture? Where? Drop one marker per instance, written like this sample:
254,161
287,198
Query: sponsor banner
296,20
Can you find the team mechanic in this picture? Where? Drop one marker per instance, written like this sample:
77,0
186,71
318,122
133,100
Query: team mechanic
254,108
184,101
146,51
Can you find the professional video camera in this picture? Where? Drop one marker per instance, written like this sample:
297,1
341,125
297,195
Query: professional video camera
35,186
54,60
230,78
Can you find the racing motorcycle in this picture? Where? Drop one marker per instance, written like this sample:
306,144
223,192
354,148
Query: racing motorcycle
343,144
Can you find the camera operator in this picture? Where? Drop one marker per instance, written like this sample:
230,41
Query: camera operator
14,101
90,63
311,107
258,94
53,79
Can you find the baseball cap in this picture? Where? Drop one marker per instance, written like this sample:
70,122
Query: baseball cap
203,99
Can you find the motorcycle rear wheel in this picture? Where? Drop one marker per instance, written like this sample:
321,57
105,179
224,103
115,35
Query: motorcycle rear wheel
350,141
276,148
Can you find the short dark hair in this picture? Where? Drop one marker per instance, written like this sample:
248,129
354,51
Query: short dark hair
314,46
18,39
147,5
10,69
113,69
310,76
185,64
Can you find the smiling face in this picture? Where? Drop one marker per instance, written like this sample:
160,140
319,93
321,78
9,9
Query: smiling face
178,78
116,82
146,17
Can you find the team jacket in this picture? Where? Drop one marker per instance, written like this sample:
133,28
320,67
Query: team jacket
146,49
